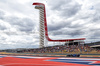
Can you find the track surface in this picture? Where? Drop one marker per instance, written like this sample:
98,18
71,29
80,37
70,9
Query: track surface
47,61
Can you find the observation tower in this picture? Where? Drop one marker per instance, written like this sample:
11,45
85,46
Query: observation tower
43,26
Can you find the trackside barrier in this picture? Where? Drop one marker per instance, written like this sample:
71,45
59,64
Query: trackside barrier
89,55
56,55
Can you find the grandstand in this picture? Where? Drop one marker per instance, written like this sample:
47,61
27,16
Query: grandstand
94,45
70,48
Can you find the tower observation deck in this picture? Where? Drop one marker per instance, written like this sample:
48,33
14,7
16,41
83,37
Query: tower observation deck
43,26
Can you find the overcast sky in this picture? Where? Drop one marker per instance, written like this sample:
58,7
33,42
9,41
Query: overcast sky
66,19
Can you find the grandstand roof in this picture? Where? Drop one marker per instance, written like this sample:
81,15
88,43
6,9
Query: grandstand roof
95,46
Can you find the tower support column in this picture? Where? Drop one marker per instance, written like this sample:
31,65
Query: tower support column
41,25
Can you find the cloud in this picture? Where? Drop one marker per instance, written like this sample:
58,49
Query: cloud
21,24
2,27
58,25
65,8
1,14
15,31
